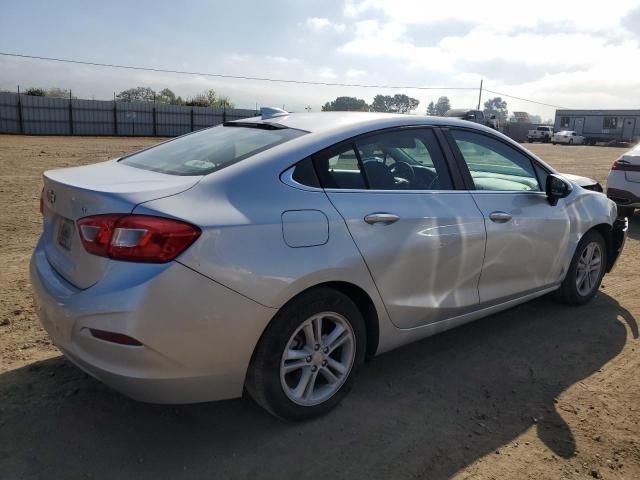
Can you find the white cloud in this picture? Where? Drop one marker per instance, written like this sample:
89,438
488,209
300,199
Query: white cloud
355,73
501,14
578,56
282,60
327,73
320,24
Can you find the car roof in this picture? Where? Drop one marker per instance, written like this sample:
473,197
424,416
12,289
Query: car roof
338,121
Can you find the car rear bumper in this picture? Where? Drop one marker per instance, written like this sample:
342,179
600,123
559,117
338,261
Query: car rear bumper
197,336
623,198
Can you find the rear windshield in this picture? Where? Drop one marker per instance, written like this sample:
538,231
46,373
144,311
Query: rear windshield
209,150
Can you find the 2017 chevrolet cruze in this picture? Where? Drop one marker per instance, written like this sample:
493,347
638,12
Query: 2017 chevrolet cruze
274,254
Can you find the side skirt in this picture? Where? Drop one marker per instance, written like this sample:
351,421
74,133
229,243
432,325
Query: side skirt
404,336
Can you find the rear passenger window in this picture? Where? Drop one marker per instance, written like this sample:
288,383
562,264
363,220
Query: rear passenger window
339,168
304,174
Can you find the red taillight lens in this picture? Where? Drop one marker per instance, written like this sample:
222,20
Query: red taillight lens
625,166
136,238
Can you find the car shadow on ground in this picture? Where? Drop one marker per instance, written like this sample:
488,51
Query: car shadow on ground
428,409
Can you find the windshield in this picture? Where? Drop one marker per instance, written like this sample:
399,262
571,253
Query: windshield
209,150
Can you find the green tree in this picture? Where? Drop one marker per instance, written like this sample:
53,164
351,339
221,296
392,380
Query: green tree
346,104
35,92
442,106
167,96
56,92
431,109
209,98
399,103
498,107
137,94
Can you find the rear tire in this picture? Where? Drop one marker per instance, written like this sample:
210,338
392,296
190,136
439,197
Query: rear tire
585,271
297,373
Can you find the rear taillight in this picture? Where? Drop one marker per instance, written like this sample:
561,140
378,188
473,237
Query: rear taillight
136,238
625,166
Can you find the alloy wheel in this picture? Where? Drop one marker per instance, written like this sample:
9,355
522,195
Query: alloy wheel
317,359
588,269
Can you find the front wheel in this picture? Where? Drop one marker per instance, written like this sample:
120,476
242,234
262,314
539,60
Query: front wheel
585,271
306,360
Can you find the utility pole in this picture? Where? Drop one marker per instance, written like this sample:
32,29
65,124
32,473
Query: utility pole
480,95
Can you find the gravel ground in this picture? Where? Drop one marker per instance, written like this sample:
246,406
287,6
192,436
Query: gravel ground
539,391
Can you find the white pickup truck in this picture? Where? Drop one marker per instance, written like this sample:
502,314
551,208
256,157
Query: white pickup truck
541,133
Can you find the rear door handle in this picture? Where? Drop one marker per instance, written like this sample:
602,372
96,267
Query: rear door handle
384,218
500,217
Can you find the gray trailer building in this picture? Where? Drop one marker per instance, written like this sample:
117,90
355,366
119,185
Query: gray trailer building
601,125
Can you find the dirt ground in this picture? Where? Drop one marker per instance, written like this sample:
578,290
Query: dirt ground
541,391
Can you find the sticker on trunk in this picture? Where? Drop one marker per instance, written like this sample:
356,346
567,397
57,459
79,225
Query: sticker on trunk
65,233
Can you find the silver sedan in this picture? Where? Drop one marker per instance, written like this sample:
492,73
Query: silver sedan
273,255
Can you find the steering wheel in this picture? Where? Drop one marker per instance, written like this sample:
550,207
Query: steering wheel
403,170
432,179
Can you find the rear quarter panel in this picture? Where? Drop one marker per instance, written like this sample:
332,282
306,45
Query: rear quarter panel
242,246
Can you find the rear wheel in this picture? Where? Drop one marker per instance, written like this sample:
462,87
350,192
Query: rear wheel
585,271
305,362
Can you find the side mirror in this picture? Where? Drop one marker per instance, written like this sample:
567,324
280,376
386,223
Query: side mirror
557,188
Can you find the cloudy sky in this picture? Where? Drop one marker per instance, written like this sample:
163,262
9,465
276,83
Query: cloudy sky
577,54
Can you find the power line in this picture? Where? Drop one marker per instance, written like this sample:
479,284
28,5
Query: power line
236,77
265,79
526,100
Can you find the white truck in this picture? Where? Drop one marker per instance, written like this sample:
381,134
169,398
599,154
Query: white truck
542,133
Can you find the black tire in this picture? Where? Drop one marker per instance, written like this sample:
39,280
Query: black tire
625,212
263,378
553,143
568,292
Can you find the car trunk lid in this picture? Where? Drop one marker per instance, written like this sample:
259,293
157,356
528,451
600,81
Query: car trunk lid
107,187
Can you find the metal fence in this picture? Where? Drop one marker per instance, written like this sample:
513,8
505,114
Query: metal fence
29,115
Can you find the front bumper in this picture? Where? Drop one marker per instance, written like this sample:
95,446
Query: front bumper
197,336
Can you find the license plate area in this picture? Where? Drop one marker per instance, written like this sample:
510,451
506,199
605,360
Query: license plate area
65,233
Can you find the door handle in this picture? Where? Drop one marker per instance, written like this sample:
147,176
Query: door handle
384,218
500,217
